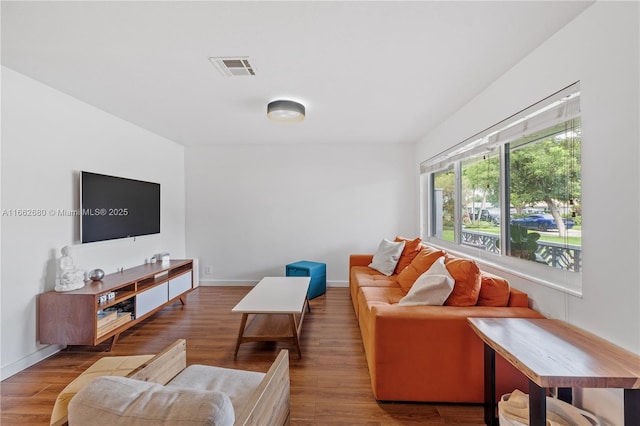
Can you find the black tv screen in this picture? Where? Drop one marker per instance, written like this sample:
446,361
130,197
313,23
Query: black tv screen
114,207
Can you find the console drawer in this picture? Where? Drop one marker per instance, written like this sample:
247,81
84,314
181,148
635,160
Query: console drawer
150,299
179,285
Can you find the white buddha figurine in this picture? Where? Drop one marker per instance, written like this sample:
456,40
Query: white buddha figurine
69,277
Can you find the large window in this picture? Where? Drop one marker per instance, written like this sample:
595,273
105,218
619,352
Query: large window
480,179
511,194
444,204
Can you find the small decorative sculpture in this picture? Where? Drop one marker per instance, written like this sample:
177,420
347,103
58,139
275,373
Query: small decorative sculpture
96,275
69,277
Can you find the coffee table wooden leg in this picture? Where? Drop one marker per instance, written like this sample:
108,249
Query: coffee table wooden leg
294,333
243,324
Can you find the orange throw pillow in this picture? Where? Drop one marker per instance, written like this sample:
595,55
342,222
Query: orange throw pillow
494,290
418,266
467,286
410,251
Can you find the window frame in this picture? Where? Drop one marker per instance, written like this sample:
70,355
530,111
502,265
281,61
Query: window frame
567,281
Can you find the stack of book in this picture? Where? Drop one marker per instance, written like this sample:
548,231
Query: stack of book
110,320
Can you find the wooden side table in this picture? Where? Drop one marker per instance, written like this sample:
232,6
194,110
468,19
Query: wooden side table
552,353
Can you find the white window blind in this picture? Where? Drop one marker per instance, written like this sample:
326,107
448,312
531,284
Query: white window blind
557,108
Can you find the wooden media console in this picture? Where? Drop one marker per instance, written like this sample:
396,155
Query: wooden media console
77,317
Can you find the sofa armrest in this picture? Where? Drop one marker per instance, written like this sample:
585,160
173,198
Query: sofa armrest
360,260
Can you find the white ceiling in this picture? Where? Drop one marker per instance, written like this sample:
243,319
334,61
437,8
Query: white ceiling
366,71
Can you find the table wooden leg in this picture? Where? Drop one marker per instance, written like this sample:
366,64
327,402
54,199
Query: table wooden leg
632,406
537,405
113,342
243,324
294,333
490,418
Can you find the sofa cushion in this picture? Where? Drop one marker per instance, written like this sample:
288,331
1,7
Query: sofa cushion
239,385
494,290
410,251
467,287
518,299
418,266
387,256
431,288
363,276
111,400
381,295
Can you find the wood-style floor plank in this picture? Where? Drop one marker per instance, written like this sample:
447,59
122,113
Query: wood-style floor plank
329,385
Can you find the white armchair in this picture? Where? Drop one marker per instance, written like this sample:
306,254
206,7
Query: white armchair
163,391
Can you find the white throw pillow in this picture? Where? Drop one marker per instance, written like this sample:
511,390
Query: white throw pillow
387,256
431,288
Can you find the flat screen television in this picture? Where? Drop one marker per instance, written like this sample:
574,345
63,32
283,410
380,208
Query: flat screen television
115,207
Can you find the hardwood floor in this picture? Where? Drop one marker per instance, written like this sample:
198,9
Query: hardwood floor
329,385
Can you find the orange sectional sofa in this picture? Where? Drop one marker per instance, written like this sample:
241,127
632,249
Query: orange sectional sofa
429,353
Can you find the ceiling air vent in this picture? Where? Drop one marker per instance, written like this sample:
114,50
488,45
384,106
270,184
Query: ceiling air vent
233,66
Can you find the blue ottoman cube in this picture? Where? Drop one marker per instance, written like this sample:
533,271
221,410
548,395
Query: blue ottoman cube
317,272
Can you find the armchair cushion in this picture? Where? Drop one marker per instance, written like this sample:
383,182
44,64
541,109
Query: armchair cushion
238,385
113,401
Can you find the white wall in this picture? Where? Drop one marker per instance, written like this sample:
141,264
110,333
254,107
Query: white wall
601,49
47,138
251,209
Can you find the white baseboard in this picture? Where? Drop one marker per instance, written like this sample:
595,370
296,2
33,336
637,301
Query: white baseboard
250,283
16,367
227,283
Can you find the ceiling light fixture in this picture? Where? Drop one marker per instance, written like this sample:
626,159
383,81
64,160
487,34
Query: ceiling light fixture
286,111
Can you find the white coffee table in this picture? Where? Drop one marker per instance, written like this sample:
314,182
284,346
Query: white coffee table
277,308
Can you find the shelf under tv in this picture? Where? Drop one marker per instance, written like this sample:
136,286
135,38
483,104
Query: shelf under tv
71,318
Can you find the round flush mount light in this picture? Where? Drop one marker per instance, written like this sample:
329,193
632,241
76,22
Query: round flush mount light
285,111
